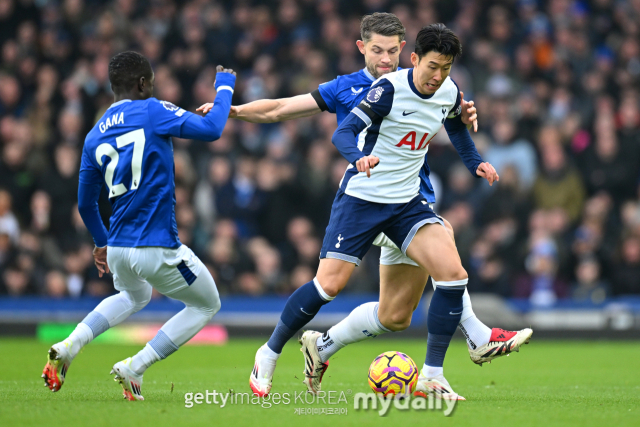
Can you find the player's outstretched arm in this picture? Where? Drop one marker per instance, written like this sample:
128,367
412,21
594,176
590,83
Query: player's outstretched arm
344,138
272,110
210,127
461,140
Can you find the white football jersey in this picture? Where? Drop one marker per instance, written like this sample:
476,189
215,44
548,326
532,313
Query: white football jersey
400,125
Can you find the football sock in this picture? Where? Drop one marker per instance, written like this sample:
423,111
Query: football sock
268,360
81,336
118,307
361,324
301,307
267,353
202,302
108,313
476,333
145,358
431,371
443,318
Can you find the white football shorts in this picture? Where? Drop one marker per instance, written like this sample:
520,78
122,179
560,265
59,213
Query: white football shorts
167,270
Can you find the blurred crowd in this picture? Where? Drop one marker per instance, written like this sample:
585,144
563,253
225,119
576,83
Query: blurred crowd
556,84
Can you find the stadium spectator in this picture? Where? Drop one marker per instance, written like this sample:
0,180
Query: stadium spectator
557,86
560,186
588,286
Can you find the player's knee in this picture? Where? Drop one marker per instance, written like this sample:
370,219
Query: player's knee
208,308
216,305
397,322
212,302
333,283
395,319
455,274
139,299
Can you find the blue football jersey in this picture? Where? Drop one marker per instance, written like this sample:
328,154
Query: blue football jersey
344,93
130,150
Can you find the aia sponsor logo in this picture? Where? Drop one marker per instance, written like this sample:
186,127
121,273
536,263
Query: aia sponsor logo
411,138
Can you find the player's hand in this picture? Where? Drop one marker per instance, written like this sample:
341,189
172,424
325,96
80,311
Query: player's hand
488,172
100,259
469,113
221,69
205,108
367,163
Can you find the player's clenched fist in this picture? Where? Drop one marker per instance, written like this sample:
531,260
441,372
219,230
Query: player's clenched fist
221,69
205,108
488,172
367,163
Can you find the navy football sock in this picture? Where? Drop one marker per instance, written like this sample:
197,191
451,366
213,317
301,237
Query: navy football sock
443,318
301,307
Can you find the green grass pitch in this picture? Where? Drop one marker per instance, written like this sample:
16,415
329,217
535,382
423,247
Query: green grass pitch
548,383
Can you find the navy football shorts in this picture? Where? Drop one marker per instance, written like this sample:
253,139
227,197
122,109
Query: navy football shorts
355,223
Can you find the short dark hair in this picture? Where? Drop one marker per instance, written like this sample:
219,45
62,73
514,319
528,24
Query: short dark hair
438,38
125,70
385,24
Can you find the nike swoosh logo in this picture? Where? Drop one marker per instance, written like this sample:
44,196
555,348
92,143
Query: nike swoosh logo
404,113
454,314
355,92
308,314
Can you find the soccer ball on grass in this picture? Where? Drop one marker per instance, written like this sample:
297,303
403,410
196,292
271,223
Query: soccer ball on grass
393,374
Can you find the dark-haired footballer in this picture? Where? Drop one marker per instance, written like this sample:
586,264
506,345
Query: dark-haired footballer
401,279
390,130
130,150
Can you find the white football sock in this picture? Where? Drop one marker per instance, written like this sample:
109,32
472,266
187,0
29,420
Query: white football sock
202,302
118,307
108,313
432,371
476,333
145,358
361,324
268,360
80,337
269,354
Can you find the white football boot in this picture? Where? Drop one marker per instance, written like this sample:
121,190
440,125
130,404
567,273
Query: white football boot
314,367
58,362
262,374
130,381
500,344
437,386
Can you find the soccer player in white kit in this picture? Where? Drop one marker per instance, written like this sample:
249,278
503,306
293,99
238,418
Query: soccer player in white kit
399,117
130,150
401,280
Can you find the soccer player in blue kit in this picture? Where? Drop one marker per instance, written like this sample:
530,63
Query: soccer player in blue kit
402,280
130,150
